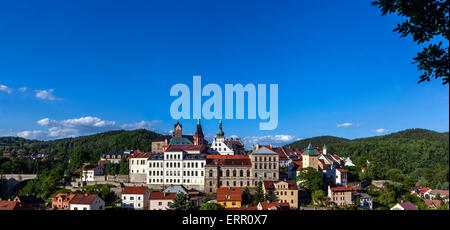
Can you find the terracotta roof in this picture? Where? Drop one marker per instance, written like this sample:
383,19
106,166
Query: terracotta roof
281,154
243,208
141,155
135,190
441,192
184,147
65,197
292,184
341,170
9,205
229,194
436,203
408,206
162,195
211,156
229,162
267,205
424,190
345,188
83,199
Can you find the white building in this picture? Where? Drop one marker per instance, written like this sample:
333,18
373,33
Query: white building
177,167
90,171
135,197
218,145
138,167
87,202
340,176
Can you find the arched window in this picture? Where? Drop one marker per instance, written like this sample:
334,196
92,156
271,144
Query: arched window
234,173
248,173
228,173
241,173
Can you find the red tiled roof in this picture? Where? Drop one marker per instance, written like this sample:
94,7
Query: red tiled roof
9,205
65,197
135,190
211,156
436,203
441,192
230,162
424,190
341,170
281,154
408,206
162,195
243,208
292,184
83,199
141,155
185,147
229,194
345,188
267,205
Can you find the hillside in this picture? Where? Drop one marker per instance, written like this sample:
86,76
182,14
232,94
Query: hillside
416,152
317,141
95,145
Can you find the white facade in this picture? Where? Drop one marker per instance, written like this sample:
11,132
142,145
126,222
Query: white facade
160,204
97,204
135,201
176,167
138,165
89,174
218,146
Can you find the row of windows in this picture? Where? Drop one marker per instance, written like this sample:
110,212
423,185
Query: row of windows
177,164
170,181
265,159
283,193
265,165
227,173
131,198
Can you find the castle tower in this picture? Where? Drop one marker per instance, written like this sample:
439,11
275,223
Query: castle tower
199,138
310,158
178,130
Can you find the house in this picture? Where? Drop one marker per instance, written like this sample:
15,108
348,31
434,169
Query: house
114,158
339,176
365,201
424,192
432,203
442,193
30,202
89,172
11,205
229,197
268,205
176,189
253,208
310,158
405,206
161,200
282,192
86,202
62,201
138,167
222,146
294,169
343,195
135,197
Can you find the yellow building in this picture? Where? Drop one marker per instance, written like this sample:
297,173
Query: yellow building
282,192
229,197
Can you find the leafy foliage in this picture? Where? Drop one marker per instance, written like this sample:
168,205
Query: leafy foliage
211,206
259,195
426,20
310,179
181,202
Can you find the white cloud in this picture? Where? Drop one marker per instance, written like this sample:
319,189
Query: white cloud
33,134
5,89
346,124
381,130
46,94
149,125
79,126
276,140
23,89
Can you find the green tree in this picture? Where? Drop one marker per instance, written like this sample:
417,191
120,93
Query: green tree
247,198
181,202
259,194
310,179
211,206
426,20
317,195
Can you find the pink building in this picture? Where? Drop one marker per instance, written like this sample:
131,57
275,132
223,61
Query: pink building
161,200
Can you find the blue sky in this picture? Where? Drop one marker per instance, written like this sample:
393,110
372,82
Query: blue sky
91,66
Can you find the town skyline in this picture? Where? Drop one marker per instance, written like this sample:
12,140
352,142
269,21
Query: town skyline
67,73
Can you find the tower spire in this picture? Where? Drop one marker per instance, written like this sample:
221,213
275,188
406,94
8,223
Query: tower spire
220,133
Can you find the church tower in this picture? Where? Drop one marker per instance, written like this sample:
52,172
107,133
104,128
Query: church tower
199,138
310,157
178,130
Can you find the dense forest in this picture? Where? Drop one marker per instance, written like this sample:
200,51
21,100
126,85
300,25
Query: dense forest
422,155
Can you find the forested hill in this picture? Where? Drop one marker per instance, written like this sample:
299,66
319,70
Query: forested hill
317,142
418,153
94,145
